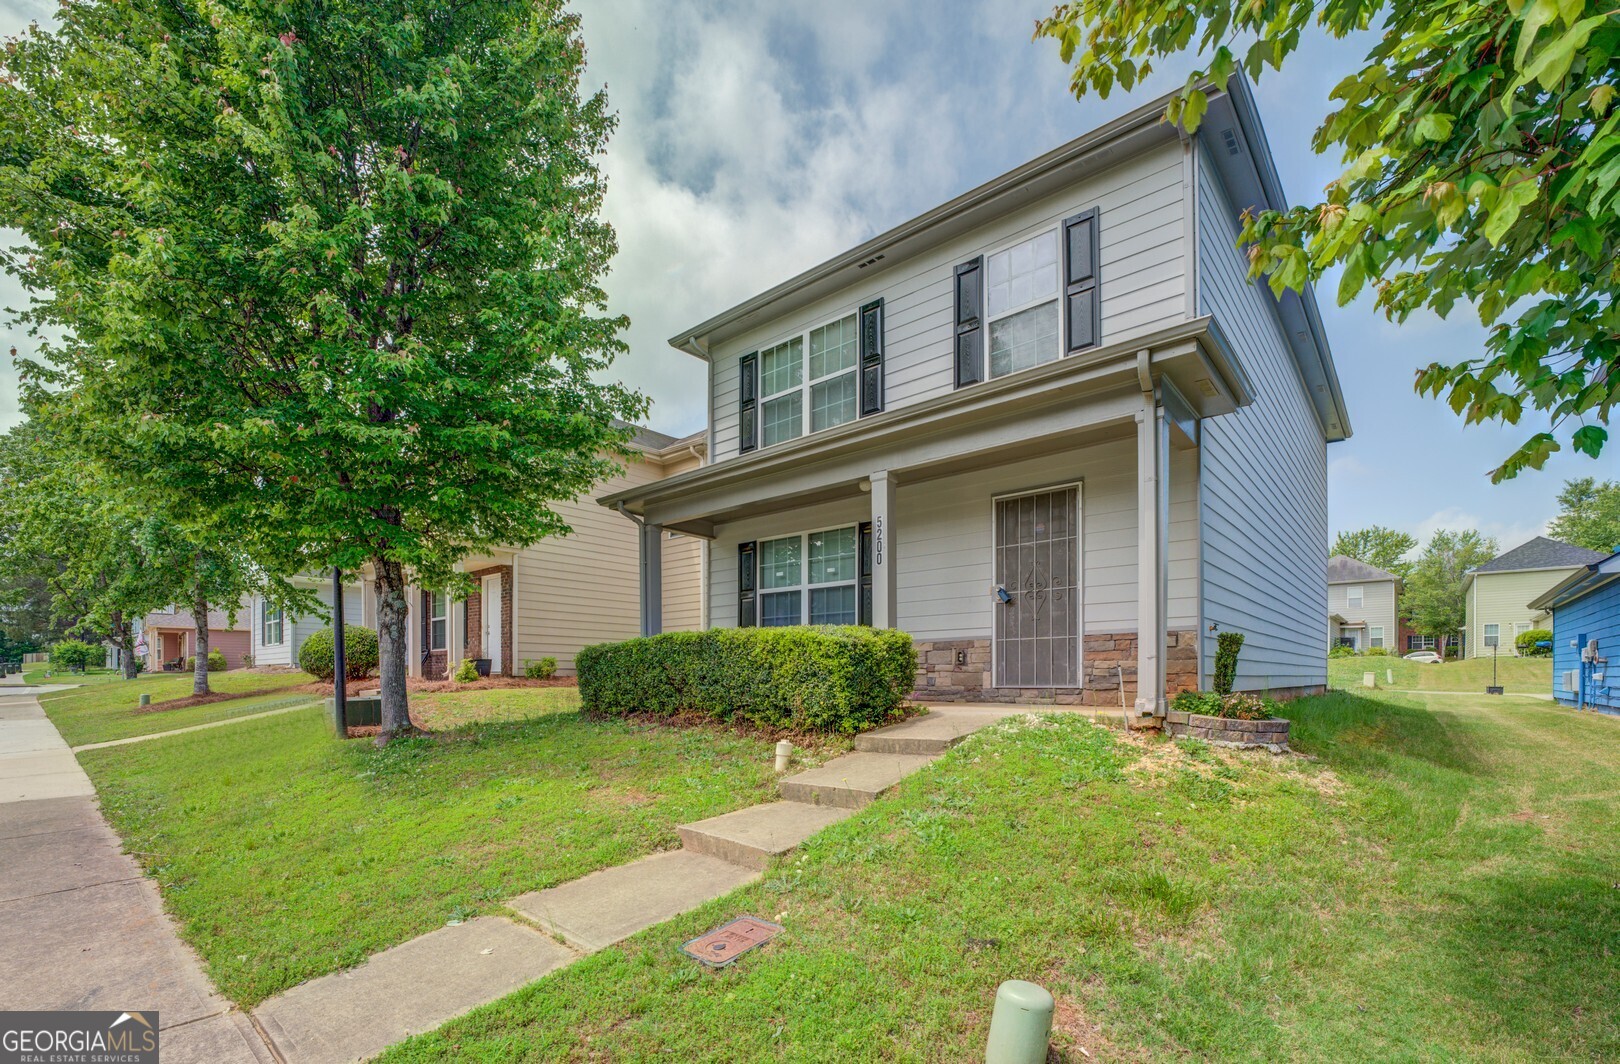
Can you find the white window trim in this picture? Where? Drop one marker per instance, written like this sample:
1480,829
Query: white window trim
1056,229
1355,596
806,383
280,615
1375,635
434,599
804,587
1491,639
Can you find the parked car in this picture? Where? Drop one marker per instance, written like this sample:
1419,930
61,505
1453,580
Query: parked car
1424,657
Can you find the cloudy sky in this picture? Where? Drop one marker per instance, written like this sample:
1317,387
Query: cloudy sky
757,139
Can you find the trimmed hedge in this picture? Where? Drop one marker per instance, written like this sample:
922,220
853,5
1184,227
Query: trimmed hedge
1525,643
216,661
359,653
827,679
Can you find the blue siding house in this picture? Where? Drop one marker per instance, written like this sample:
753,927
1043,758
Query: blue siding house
1586,610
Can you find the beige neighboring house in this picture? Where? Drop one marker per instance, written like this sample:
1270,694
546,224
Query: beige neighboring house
168,639
1362,605
549,600
1499,592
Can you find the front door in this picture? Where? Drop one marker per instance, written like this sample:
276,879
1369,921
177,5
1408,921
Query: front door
1037,602
491,608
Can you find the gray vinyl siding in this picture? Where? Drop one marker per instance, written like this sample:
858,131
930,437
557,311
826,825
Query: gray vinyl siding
297,629
943,542
1377,607
1143,265
1263,481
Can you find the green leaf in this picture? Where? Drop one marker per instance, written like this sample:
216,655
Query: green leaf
1589,440
1434,126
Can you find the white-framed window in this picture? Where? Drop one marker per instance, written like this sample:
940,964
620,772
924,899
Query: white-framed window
810,579
1353,596
439,621
1492,634
808,382
272,625
1375,635
1021,304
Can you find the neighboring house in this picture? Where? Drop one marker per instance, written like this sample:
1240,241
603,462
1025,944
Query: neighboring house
170,636
1363,600
553,598
1499,593
1585,608
1049,428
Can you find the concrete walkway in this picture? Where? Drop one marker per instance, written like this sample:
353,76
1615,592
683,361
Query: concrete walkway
423,983
80,926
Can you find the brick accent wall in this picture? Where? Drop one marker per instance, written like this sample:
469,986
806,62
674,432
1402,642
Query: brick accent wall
1104,657
436,666
475,617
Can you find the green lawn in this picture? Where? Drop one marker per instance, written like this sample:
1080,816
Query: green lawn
101,711
1518,675
443,710
1432,884
35,674
285,854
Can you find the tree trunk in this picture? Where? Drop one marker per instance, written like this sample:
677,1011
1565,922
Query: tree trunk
122,634
199,664
393,649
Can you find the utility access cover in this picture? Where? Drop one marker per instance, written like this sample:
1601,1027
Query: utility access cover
727,942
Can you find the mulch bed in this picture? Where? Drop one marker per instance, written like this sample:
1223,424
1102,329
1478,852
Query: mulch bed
228,696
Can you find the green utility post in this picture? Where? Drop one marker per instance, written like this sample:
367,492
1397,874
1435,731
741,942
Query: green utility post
1021,1026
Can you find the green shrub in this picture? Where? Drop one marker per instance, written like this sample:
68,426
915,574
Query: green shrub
1525,643
827,679
466,672
76,655
544,669
1227,646
1235,705
1339,650
1377,652
216,661
359,653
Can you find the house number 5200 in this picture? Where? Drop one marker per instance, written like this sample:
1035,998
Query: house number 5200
877,541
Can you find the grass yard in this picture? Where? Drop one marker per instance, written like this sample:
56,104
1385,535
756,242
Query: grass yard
444,710
1438,882
1532,676
101,711
35,674
285,854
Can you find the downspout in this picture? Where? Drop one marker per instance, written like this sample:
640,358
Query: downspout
641,569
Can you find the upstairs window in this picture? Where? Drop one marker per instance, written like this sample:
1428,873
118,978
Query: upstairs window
833,357
1353,596
810,382
1021,304
781,385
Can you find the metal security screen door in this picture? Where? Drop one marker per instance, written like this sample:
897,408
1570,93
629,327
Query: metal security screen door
1037,545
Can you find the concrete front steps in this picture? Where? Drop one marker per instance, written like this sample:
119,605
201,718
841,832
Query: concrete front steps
423,983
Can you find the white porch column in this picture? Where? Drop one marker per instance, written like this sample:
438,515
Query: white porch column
1152,525
652,578
885,609
413,631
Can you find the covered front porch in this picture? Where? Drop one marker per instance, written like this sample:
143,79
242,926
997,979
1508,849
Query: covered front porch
1038,536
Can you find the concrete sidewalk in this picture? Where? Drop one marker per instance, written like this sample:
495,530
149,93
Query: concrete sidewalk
80,926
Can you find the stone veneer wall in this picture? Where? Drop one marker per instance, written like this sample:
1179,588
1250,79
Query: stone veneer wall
1104,655
475,617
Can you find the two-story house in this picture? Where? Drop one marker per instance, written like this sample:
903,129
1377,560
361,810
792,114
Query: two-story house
1497,595
1362,599
1050,428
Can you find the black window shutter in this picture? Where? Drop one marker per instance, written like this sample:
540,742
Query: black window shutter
748,403
872,358
427,626
969,322
864,607
747,573
1082,305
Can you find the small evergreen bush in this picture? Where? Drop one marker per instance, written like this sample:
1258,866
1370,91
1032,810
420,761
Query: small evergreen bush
466,672
1377,652
807,678
544,669
216,661
1525,643
359,653
1227,647
1237,705
1339,650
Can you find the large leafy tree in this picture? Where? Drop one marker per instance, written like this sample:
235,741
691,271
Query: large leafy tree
1482,145
1434,597
329,269
1383,547
1589,514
